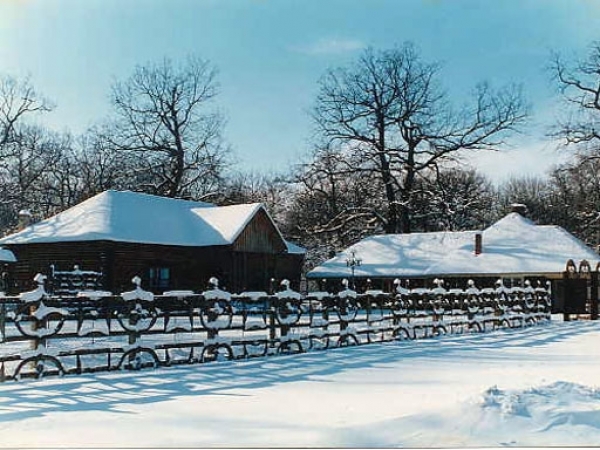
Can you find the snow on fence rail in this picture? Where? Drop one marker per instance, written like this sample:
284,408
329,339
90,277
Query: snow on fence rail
42,334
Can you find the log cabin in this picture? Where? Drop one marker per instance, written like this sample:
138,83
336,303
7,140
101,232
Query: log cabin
171,244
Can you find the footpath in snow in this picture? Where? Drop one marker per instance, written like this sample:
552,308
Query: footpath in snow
533,387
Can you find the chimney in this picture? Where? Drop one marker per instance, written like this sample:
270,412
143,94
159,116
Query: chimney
25,219
478,243
519,208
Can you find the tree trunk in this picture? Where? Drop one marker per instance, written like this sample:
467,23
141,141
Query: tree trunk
406,194
392,216
386,176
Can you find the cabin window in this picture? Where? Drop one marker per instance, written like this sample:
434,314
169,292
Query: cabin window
159,277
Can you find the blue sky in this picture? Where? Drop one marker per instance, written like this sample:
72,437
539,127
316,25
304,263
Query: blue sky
270,54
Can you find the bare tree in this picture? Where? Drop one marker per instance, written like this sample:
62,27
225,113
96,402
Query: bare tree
574,200
36,157
163,115
389,110
272,189
454,199
26,150
333,205
18,100
534,192
99,167
579,82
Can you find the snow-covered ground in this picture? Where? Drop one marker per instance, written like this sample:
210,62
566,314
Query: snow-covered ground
531,387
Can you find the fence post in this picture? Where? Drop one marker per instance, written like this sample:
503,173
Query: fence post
132,334
40,292
566,278
285,329
272,326
289,305
369,310
137,295
2,322
217,303
395,296
346,293
594,296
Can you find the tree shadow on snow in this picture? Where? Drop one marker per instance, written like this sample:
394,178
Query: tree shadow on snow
111,391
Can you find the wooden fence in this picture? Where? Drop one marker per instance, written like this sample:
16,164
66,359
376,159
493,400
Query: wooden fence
43,334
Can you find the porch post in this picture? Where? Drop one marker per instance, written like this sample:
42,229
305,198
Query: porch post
594,295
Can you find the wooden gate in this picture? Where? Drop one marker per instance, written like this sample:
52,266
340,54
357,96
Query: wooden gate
577,292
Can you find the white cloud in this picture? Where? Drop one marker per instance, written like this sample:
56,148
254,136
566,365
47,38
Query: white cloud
328,46
533,158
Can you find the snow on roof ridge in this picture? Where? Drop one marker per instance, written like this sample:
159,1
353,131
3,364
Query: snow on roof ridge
513,218
128,192
418,233
128,216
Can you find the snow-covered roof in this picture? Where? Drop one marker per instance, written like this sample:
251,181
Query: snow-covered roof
125,216
513,245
